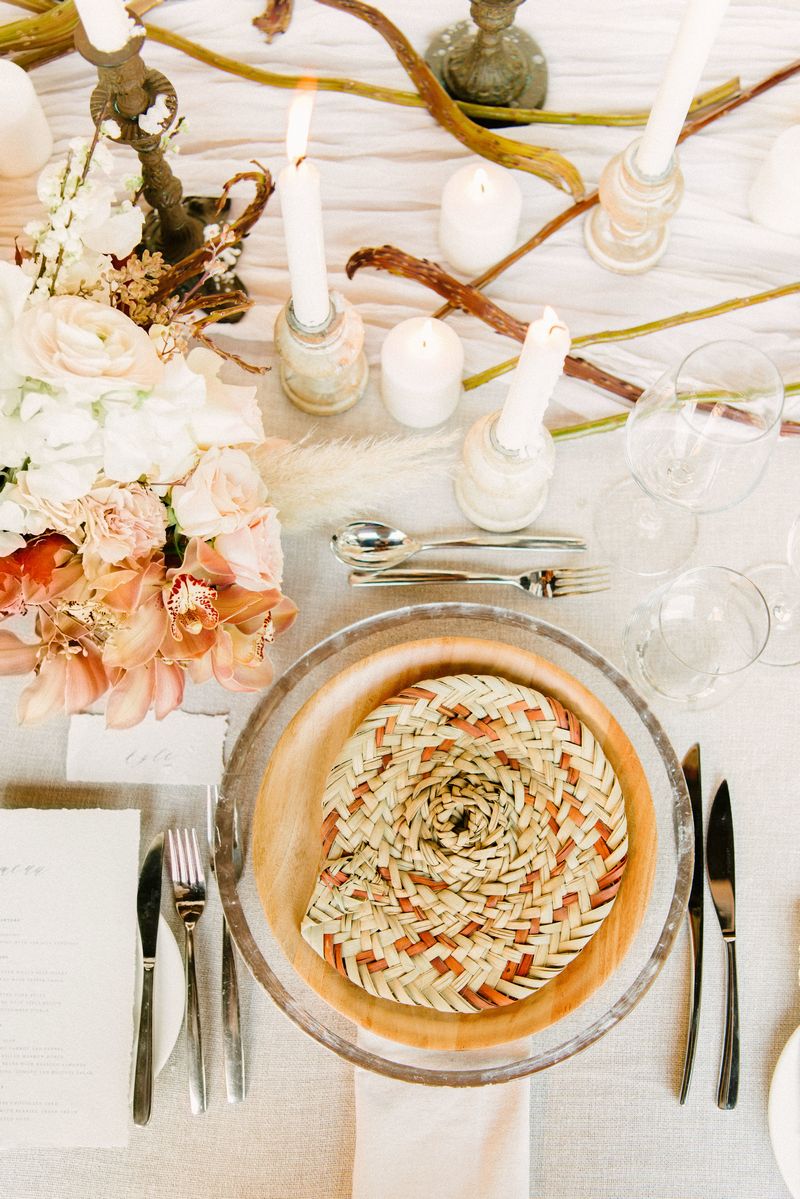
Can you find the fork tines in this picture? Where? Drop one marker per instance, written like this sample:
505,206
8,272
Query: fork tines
185,862
579,580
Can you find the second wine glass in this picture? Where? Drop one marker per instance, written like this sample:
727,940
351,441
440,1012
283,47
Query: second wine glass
698,440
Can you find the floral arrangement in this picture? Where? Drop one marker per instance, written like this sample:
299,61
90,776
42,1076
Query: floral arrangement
135,528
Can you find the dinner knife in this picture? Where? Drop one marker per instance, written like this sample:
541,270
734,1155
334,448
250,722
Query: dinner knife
691,771
148,907
722,879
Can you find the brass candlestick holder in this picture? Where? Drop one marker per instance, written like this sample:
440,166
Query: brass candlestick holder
494,63
127,89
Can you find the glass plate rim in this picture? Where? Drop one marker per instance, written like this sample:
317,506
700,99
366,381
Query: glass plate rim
260,968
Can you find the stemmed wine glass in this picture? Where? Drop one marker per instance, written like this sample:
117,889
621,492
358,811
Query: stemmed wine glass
780,584
697,441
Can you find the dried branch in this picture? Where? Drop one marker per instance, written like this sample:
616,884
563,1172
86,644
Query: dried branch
575,210
632,331
275,18
462,295
545,163
194,264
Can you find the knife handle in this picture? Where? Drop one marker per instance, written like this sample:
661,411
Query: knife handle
729,1071
231,1021
696,936
143,1078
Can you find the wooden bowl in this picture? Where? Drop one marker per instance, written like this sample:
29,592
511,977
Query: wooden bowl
287,842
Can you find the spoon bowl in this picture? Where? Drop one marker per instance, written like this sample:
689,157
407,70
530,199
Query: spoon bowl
371,545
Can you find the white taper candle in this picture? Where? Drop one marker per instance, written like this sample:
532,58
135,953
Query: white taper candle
540,366
301,210
106,23
696,35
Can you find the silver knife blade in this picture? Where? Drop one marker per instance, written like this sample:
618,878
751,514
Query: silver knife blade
721,862
691,771
148,898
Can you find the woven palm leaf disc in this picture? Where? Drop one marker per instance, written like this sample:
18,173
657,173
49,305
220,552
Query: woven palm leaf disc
474,839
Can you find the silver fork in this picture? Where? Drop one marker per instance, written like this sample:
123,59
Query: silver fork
189,889
231,1018
546,584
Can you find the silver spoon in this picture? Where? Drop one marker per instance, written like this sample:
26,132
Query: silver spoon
371,545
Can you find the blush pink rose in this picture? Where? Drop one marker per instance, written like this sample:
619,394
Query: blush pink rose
254,552
220,495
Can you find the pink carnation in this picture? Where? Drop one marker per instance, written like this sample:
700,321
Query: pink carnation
122,522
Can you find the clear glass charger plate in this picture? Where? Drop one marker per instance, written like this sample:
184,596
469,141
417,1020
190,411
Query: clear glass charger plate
653,941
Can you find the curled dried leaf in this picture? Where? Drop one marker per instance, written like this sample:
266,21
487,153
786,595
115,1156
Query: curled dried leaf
275,18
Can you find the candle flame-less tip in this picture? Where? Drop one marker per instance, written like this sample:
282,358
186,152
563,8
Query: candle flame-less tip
299,123
551,317
427,332
479,183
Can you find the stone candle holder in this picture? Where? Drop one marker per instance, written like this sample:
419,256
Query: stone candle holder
627,232
323,370
498,489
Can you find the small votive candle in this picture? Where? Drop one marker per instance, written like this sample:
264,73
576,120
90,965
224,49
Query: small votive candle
25,139
422,363
479,219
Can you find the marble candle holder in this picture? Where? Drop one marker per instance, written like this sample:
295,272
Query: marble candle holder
498,489
323,370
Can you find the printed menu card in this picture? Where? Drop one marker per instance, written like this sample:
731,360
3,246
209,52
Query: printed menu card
68,882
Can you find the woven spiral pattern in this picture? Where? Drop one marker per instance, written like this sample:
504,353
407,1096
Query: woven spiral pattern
474,839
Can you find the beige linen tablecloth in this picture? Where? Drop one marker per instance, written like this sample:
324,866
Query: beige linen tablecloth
607,1123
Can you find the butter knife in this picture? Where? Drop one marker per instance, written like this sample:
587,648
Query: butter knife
691,771
722,880
148,907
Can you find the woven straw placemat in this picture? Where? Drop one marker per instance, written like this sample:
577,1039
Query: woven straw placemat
474,838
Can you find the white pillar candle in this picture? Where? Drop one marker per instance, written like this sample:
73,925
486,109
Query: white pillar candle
479,219
540,366
25,138
301,210
696,35
106,24
775,194
422,363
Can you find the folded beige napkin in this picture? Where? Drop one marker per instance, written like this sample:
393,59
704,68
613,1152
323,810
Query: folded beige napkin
418,1142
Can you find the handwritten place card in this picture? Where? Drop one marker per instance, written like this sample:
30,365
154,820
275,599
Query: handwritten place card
184,749
67,966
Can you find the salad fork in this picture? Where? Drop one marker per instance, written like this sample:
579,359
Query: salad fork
189,890
545,584
231,1018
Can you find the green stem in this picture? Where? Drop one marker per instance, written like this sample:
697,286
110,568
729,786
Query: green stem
391,95
386,95
604,423
667,322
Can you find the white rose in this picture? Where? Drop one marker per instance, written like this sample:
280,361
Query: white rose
230,415
220,495
84,347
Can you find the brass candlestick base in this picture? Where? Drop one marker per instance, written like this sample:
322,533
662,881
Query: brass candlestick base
127,89
493,64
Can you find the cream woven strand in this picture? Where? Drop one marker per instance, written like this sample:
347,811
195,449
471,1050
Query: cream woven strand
474,839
